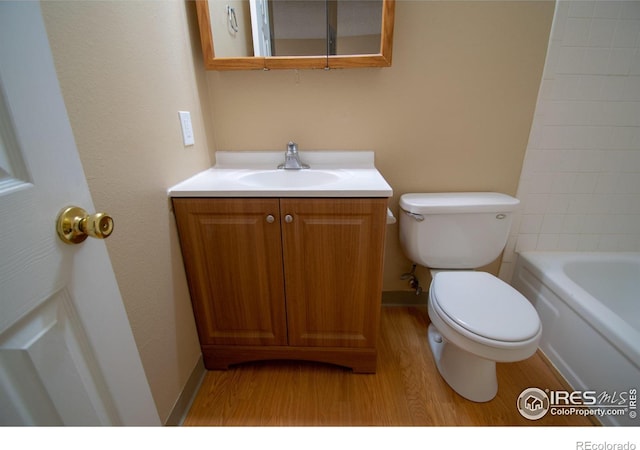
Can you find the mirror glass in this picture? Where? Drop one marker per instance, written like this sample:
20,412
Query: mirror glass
241,29
298,28
358,27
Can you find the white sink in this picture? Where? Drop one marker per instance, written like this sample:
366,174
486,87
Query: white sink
286,179
254,174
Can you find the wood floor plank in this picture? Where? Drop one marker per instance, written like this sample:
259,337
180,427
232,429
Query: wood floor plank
407,389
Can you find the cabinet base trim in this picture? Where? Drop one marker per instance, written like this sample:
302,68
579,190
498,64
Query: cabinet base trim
222,357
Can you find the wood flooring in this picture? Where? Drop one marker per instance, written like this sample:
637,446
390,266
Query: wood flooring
407,389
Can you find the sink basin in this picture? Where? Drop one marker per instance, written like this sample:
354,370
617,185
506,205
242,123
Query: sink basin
333,174
285,179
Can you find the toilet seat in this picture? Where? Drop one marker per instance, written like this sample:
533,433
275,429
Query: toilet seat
484,307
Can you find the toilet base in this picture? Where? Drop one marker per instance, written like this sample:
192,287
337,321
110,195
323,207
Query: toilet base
472,377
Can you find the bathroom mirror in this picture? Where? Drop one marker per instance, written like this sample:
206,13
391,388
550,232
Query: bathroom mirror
295,34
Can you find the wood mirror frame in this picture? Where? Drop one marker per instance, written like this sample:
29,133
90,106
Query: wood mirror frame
211,62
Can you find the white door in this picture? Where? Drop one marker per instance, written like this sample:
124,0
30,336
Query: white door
67,354
260,27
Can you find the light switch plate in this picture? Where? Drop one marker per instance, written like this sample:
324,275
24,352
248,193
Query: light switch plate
187,129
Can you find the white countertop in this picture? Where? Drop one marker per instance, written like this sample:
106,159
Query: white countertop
352,174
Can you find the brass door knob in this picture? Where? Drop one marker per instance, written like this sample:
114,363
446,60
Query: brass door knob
74,225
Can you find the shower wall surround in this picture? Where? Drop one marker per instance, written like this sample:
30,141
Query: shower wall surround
580,181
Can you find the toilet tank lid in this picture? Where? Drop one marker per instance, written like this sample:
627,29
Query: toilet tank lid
458,202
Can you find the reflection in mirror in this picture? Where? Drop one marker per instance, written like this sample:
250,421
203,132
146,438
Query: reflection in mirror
298,27
261,28
295,27
252,34
231,27
358,27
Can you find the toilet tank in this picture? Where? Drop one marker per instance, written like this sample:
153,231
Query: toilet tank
462,230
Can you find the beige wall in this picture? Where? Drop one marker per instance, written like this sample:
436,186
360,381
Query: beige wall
452,113
125,69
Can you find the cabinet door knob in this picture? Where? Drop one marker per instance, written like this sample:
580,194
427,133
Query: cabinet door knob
288,218
270,219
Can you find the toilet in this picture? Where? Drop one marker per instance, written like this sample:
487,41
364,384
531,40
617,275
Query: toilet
476,318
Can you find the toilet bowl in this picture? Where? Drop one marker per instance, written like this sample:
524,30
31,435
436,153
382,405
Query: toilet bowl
476,318
476,321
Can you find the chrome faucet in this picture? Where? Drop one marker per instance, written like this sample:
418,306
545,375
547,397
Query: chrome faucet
292,159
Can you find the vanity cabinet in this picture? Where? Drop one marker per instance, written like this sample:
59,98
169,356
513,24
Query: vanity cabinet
284,278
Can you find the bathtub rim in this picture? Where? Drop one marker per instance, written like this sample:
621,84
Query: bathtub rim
547,266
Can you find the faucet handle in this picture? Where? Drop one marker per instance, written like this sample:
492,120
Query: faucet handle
292,147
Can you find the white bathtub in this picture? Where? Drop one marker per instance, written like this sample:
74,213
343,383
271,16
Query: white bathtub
589,305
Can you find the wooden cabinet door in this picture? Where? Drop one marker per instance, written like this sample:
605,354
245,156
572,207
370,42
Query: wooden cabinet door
232,251
333,260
